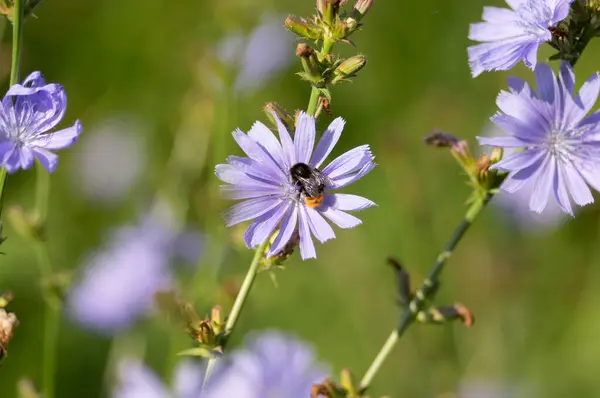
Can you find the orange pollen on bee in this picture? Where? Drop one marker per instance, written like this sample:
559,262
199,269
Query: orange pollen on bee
314,201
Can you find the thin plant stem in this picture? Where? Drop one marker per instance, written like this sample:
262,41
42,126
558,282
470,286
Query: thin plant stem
51,323
238,305
313,102
14,72
425,292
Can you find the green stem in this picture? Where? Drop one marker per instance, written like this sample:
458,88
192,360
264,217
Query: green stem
14,72
238,305
52,318
587,34
425,292
313,102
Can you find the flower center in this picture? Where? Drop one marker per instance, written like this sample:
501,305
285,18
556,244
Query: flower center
559,144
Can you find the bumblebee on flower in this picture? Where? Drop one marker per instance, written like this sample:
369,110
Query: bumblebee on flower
284,184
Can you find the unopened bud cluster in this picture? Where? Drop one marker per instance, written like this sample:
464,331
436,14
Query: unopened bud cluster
7,7
571,36
484,180
348,387
330,25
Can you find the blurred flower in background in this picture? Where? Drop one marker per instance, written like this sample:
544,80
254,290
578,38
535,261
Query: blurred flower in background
109,160
259,56
138,381
273,364
120,281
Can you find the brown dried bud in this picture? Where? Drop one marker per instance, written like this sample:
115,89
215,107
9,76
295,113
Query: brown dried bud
303,50
440,139
8,322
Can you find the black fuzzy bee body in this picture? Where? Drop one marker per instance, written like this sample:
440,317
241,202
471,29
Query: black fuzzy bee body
310,181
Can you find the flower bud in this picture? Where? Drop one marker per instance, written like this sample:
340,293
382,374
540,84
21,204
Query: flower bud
310,63
349,383
303,28
349,67
402,282
5,299
361,7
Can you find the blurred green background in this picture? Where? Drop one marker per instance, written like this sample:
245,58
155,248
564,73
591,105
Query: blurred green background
534,292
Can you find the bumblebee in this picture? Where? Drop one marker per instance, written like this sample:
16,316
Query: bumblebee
311,183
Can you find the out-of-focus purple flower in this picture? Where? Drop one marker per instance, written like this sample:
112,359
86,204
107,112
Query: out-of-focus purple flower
259,56
272,365
137,381
109,160
511,35
274,196
119,283
29,111
561,145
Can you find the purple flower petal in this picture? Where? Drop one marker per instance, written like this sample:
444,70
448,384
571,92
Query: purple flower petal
327,142
504,142
264,228
48,159
349,162
519,160
588,93
577,187
347,180
541,191
319,227
499,15
307,247
249,209
304,139
287,144
286,230
340,218
561,194
342,201
265,138
255,152
59,139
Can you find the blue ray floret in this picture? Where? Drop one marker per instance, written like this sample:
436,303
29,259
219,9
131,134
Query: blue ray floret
561,155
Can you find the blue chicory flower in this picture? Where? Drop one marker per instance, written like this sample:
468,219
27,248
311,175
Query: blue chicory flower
273,364
120,282
137,381
29,111
274,199
511,35
561,145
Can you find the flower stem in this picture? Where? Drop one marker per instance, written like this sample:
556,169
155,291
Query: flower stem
238,305
51,322
14,72
425,292
314,93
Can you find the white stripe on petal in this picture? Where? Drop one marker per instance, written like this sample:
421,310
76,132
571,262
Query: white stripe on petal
249,209
304,138
307,247
560,192
327,142
341,219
